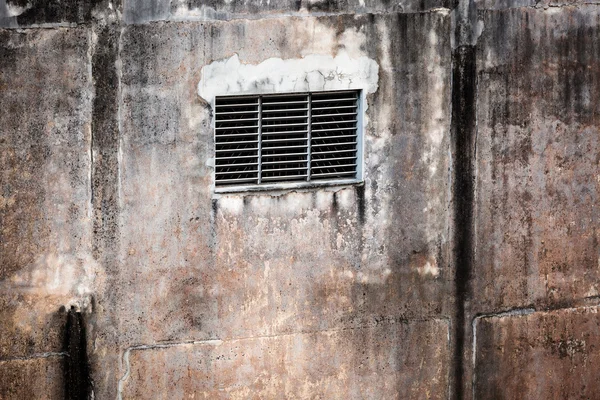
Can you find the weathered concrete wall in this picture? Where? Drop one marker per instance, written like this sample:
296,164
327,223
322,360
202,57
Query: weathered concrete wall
279,265
537,210
469,252
45,231
140,11
537,355
32,378
366,364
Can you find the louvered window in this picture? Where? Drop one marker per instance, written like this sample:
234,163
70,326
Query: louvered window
287,140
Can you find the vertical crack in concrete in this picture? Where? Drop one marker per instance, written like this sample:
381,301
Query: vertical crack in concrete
463,133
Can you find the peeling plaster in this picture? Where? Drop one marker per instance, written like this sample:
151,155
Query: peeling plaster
13,10
275,75
430,268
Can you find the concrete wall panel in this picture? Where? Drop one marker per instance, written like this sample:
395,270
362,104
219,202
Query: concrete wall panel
36,378
45,230
191,265
538,142
541,355
267,263
366,363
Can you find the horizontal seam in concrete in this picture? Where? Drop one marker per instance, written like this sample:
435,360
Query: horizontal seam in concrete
59,146
573,305
44,26
540,7
34,357
216,341
575,5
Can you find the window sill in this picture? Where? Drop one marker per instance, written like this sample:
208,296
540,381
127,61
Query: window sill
286,186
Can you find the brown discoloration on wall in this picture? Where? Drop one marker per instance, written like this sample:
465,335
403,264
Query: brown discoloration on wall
107,203
300,365
544,355
35,141
30,324
283,263
266,274
538,147
37,378
44,235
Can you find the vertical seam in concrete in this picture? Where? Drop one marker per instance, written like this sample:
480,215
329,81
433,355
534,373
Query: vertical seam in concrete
90,36
448,370
473,355
119,68
474,233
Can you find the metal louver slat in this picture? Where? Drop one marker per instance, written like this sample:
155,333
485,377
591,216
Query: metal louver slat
236,140
317,109
334,135
287,138
285,122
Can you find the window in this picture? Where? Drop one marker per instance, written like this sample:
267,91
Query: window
287,140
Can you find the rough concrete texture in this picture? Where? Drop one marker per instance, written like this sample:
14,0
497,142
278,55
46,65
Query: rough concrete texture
537,220
299,365
26,13
18,13
141,11
244,265
544,355
479,208
538,145
45,231
539,4
34,378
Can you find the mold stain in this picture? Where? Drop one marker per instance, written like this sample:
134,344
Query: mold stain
462,128
77,381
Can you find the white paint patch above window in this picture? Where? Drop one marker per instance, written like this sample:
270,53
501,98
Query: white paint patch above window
275,75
